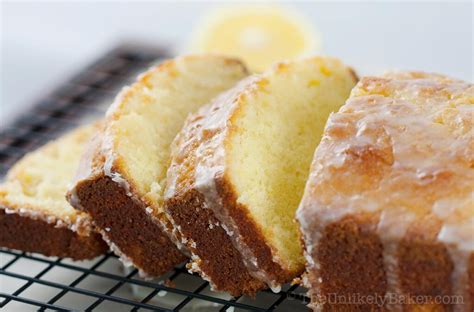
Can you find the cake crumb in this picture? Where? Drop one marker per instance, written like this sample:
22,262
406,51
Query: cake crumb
213,225
169,283
296,281
162,293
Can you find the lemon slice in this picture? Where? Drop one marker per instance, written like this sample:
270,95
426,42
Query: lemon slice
259,35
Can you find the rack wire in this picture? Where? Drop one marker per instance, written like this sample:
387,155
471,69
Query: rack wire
34,282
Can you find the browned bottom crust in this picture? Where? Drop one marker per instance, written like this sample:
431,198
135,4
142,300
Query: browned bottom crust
220,260
26,234
351,262
128,226
252,235
350,255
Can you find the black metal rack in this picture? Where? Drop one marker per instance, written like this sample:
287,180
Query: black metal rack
32,281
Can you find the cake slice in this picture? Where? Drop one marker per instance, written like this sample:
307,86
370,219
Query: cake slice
239,168
121,179
388,209
34,213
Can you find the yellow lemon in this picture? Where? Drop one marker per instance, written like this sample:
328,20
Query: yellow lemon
259,35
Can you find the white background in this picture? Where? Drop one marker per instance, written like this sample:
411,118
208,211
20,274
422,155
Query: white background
44,42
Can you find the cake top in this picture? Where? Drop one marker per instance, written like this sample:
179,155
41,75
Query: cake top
256,142
402,145
36,185
146,116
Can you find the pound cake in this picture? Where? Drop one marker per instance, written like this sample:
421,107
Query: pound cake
387,216
121,179
34,213
239,168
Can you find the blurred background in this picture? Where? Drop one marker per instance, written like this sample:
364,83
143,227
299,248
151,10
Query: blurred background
44,43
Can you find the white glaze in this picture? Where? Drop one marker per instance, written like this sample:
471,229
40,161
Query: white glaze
212,130
460,242
211,165
126,261
392,225
108,167
414,146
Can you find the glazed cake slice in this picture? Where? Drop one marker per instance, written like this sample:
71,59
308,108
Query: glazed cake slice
238,172
121,179
34,213
388,209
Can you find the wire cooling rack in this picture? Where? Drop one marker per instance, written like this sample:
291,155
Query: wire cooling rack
31,282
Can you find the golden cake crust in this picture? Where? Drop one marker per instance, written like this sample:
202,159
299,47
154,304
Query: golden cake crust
114,207
128,212
198,184
393,176
205,237
34,216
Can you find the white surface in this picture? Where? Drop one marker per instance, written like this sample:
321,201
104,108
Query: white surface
44,42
